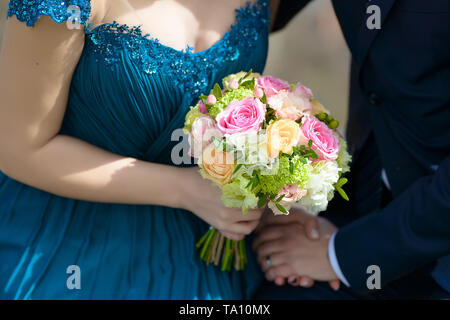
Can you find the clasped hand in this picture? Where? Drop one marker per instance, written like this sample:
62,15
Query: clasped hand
294,248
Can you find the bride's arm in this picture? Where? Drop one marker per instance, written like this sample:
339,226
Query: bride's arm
36,67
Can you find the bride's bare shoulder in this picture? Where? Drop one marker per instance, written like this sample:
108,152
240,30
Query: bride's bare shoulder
106,11
99,9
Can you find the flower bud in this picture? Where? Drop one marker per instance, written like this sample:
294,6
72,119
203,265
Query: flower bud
258,92
234,84
322,116
329,118
333,124
211,100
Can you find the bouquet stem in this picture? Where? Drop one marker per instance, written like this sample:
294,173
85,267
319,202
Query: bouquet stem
214,248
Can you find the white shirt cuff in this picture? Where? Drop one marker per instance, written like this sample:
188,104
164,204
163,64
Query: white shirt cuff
334,261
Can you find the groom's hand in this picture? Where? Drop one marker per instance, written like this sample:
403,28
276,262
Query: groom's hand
297,244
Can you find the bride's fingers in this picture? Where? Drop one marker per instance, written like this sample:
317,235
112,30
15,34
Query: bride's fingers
241,228
232,236
252,215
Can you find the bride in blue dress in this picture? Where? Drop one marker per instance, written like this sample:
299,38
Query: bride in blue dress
91,92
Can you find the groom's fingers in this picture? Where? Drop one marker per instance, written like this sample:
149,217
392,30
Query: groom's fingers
310,223
312,229
274,232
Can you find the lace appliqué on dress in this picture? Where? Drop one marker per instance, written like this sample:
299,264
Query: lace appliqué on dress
29,11
190,69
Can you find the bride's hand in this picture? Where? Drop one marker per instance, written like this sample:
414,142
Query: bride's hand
199,196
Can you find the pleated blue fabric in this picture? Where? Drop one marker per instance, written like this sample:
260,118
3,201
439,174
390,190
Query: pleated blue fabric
128,93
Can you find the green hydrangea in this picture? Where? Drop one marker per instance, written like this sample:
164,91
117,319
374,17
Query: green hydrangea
229,96
271,184
344,158
236,194
193,114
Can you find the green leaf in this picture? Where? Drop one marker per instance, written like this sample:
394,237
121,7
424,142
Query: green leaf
342,193
302,147
280,198
224,145
246,75
281,208
248,84
303,160
291,167
217,91
255,182
261,202
264,98
296,150
237,168
314,154
310,143
292,86
272,196
341,182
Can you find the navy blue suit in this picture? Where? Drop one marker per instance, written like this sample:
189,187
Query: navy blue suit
399,120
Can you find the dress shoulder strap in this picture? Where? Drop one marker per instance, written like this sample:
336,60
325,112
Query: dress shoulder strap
29,11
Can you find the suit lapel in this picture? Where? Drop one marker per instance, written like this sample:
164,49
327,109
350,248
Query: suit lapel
366,36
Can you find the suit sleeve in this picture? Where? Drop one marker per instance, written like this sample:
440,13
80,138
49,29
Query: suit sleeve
412,231
287,9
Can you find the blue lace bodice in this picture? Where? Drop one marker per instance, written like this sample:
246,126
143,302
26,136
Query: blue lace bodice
125,77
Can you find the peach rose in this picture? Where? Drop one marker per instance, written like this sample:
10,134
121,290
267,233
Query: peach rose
216,165
292,194
291,105
282,135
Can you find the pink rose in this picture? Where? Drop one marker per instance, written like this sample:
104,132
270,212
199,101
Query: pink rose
202,130
272,85
245,115
325,143
304,91
292,194
292,105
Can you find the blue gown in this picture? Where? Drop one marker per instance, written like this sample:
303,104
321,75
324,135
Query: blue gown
128,93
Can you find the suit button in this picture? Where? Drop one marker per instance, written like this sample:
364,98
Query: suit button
374,99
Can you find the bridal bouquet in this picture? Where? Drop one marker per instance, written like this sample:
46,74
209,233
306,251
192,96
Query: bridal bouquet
264,141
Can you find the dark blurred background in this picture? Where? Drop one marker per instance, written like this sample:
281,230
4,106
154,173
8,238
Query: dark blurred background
311,50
